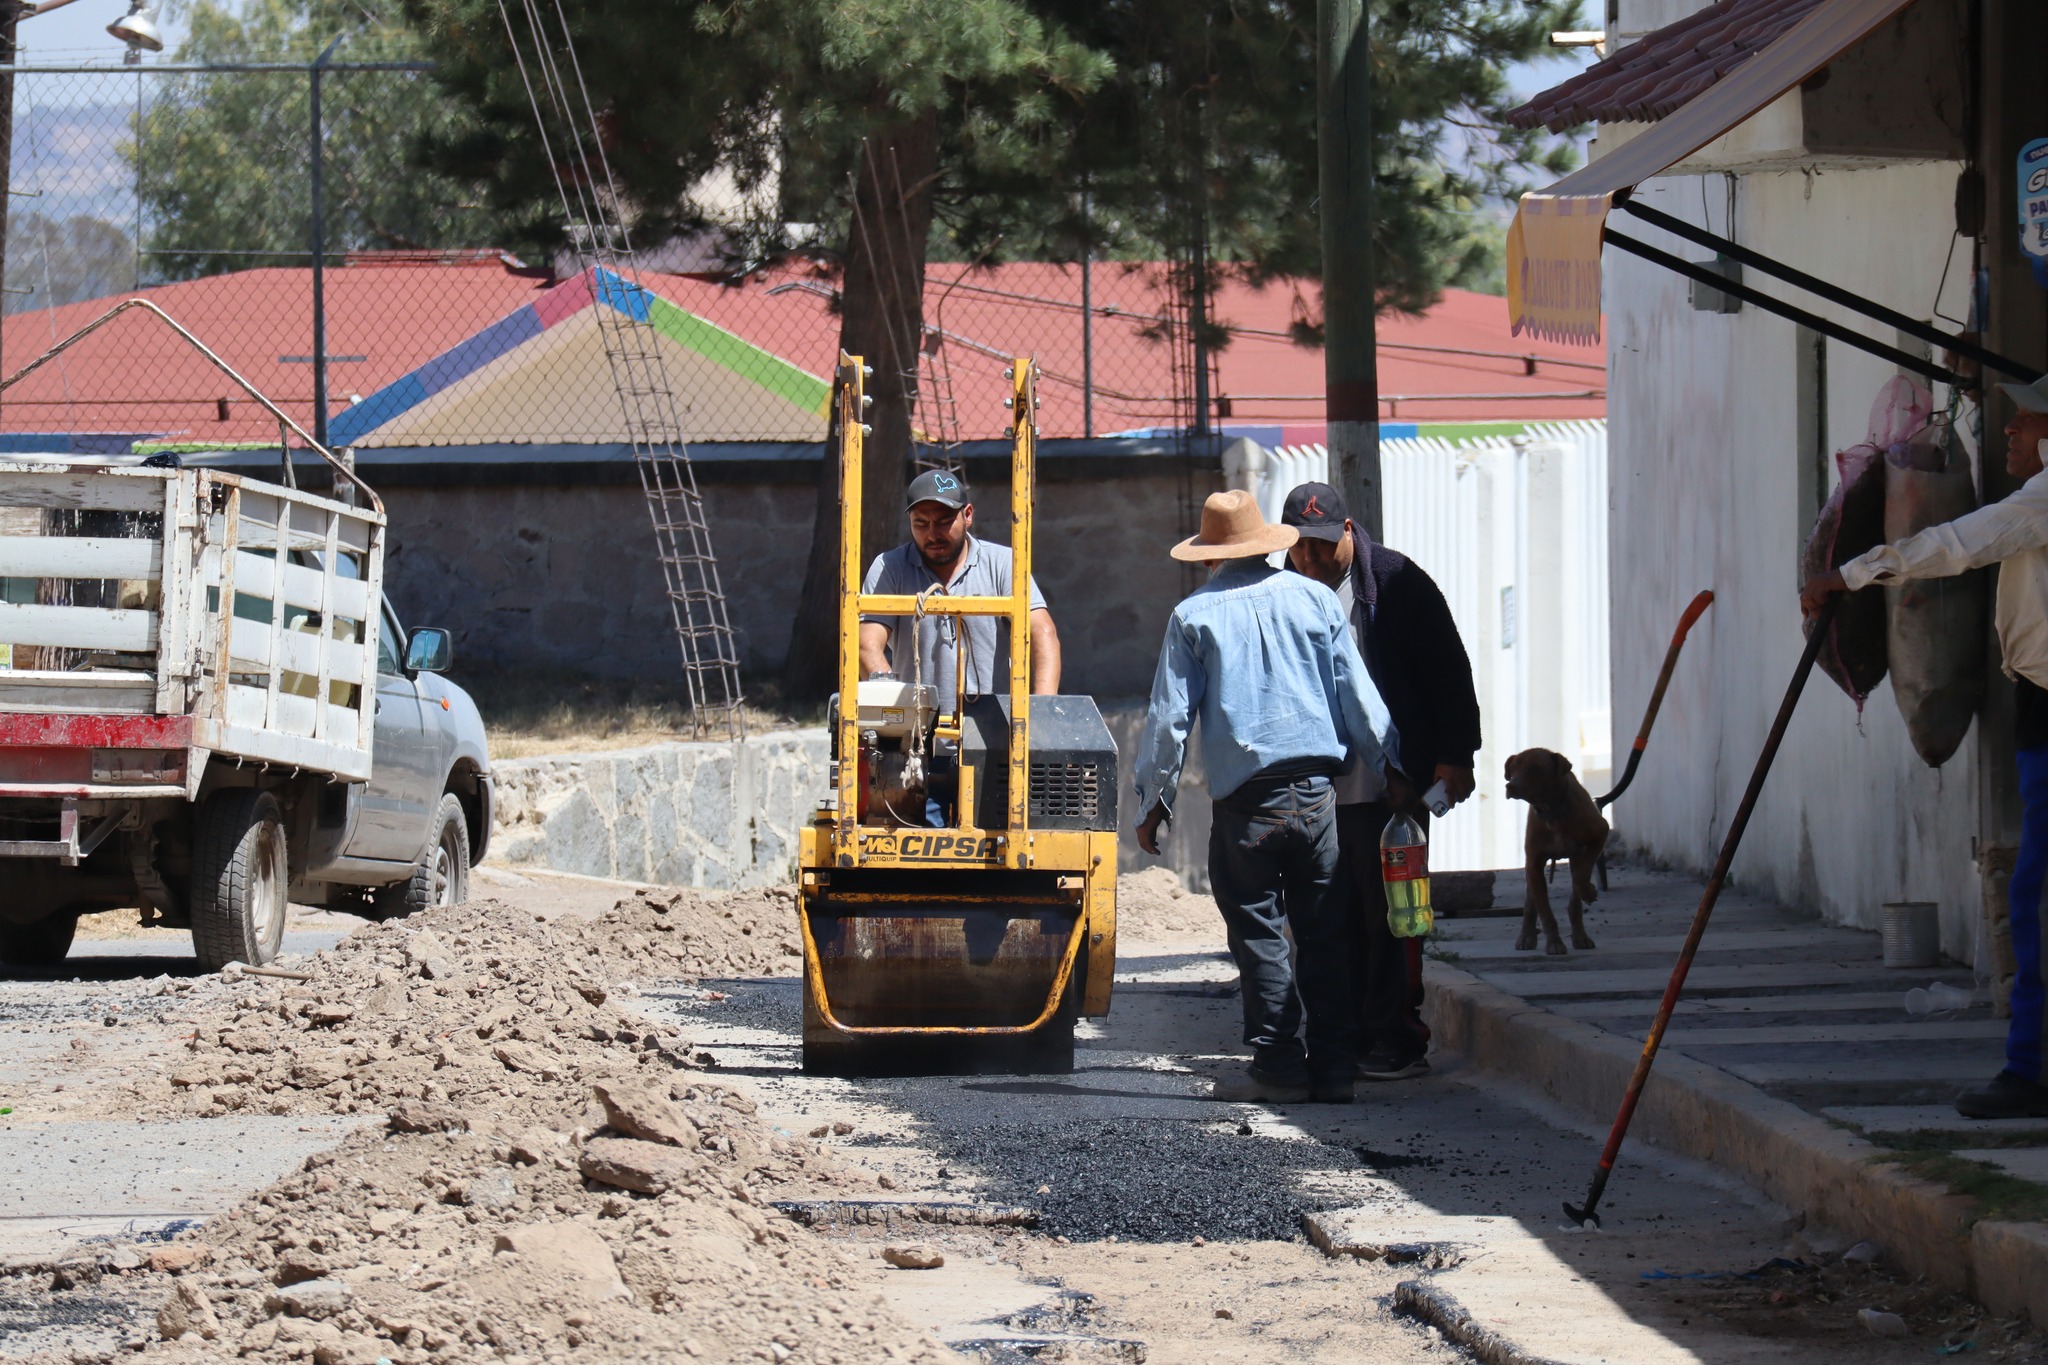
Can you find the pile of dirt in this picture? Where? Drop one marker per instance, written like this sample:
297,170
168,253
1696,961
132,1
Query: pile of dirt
553,1179
450,1237
478,1004
671,931
1154,907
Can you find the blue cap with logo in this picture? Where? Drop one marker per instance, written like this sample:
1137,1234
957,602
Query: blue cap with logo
936,485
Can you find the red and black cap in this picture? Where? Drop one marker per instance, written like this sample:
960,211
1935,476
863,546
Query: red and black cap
936,485
1316,510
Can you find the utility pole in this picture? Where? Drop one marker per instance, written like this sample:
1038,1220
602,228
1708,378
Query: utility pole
11,14
1344,148
1087,319
317,158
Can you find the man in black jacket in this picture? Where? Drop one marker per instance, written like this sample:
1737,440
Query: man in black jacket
1416,659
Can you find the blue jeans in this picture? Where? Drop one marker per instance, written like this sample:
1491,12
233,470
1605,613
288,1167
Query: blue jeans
2023,1041
1273,864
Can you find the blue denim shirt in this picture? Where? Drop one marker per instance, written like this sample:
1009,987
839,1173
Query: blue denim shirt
1267,660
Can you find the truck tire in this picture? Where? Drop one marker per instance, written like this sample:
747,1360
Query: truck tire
240,879
44,943
441,877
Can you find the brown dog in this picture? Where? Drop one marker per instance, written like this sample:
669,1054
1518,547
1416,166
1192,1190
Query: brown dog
1563,823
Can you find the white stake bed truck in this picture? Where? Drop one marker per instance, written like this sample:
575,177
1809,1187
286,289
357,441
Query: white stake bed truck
207,708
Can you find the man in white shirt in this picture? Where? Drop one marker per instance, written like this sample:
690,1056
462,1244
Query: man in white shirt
2013,534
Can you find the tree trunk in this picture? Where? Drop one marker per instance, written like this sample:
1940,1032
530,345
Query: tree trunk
882,321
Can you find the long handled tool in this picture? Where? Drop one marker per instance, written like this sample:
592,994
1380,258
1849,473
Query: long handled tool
1819,633
1693,612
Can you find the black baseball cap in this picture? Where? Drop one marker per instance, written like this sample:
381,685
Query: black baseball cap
1316,510
936,485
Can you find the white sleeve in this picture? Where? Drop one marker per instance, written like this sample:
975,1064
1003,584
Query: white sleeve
1986,536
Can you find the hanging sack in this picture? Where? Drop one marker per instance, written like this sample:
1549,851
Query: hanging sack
1851,522
1935,626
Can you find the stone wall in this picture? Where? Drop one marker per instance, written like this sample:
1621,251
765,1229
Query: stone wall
723,815
555,569
688,814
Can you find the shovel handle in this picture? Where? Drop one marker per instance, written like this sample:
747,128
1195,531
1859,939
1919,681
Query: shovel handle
1693,611
1708,897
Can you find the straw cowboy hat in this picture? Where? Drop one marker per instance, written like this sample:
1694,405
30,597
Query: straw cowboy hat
1233,529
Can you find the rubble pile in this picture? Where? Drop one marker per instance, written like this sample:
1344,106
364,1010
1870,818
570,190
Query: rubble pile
673,931
476,1004
636,1232
544,1178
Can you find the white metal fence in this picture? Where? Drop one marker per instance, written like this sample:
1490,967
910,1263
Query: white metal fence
1514,530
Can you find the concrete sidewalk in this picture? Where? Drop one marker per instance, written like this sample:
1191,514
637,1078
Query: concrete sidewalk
1792,1060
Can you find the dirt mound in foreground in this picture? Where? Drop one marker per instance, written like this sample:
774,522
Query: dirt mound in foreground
554,1180
1153,906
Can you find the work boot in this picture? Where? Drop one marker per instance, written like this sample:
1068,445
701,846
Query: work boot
1259,1086
2008,1096
1386,1066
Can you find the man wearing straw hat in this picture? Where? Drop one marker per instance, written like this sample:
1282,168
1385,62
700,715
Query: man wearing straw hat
1267,662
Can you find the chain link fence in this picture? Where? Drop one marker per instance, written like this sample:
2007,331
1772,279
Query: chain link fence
198,186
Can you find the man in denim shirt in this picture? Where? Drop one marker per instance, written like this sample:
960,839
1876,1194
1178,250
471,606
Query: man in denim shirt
1267,661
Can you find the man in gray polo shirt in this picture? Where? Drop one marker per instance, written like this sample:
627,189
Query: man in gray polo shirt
943,550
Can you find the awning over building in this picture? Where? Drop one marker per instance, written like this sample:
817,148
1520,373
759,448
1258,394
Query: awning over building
1554,242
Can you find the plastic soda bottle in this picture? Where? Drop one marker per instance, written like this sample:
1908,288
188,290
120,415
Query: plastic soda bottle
1404,870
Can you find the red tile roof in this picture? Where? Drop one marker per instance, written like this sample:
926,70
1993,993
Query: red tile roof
387,318
1662,70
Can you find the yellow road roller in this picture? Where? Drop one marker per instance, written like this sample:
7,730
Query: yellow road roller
974,941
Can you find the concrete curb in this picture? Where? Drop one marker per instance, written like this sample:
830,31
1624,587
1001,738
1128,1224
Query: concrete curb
1447,1315
1701,1111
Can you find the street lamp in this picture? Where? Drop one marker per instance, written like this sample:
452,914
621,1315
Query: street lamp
138,27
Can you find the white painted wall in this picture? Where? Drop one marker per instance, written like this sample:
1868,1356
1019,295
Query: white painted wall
1705,489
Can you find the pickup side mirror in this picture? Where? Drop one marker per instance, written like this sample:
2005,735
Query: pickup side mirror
429,650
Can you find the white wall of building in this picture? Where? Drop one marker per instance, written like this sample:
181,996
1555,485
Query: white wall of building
1707,493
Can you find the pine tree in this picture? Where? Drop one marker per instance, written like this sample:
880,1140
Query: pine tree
868,110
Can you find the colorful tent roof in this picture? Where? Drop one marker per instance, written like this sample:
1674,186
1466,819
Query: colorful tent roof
548,363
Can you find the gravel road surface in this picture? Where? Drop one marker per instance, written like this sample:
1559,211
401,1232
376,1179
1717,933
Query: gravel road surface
1116,1213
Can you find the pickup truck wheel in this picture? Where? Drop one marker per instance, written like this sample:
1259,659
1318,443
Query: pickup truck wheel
441,877
42,944
240,879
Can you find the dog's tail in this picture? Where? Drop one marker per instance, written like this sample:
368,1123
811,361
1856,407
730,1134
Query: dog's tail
1693,612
